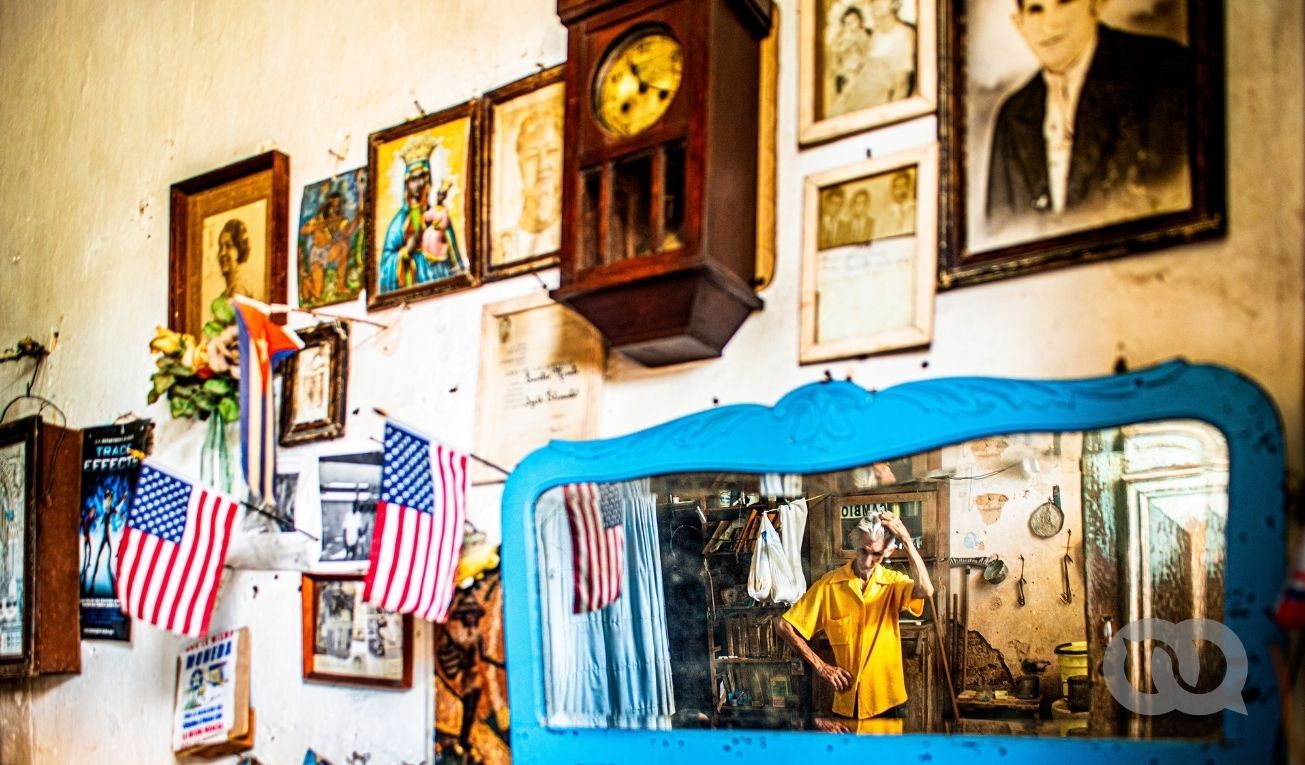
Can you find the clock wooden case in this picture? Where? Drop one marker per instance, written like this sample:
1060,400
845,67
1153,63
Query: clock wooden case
660,199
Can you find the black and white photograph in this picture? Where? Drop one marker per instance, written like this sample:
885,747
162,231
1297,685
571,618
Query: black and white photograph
1086,128
349,487
348,641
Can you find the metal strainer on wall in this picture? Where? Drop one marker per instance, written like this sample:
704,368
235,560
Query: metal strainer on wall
1047,518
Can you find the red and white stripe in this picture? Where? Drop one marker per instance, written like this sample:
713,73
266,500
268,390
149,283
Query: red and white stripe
414,555
598,553
173,586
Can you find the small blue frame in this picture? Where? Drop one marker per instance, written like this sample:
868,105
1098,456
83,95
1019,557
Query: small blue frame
838,425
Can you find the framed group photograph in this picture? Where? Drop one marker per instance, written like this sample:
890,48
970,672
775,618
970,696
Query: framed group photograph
422,185
521,210
331,239
1079,130
346,640
315,386
869,257
863,64
229,234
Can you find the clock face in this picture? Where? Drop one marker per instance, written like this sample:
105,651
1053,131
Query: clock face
636,82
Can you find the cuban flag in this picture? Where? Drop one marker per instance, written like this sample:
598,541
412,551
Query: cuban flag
262,344
417,537
170,560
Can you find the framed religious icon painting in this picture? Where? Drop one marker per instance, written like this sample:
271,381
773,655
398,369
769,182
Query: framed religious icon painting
314,387
346,640
331,239
869,257
422,182
865,63
1078,130
229,234
521,199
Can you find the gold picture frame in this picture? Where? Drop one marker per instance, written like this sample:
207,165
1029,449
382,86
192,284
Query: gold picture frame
852,79
869,256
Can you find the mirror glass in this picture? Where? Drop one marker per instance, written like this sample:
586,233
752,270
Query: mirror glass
795,602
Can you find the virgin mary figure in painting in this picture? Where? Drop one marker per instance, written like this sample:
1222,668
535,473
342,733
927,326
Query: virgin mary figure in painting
420,243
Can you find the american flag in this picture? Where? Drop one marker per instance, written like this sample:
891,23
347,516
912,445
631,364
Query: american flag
172,551
419,518
597,543
262,344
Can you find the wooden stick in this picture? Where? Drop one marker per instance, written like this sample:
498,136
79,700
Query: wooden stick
942,654
481,460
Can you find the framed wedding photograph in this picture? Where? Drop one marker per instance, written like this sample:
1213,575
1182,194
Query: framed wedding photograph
346,640
331,239
1078,130
422,186
869,257
229,234
864,64
521,197
315,386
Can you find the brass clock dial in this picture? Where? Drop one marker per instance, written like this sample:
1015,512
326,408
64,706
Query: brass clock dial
636,82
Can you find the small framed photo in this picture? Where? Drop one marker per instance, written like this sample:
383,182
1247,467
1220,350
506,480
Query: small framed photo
346,640
869,256
863,64
349,486
422,185
331,239
521,209
229,234
315,386
1078,131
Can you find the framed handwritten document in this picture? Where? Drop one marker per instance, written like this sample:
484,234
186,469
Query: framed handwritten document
869,254
541,378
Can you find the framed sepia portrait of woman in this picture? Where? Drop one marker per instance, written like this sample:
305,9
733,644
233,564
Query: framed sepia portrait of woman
521,198
346,640
229,234
1078,130
864,63
422,179
314,386
869,257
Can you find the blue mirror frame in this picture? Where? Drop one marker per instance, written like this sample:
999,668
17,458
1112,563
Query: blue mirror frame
837,425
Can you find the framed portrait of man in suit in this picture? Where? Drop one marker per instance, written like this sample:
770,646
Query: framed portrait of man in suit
1078,130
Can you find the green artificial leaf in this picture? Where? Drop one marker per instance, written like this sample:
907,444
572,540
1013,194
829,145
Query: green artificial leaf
162,381
212,329
184,390
182,407
163,362
205,401
177,369
152,396
218,386
229,409
223,311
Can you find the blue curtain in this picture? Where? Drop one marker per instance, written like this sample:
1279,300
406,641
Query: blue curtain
610,668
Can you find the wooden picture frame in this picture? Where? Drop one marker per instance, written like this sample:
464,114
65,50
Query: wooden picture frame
330,239
918,509
40,499
414,254
229,234
315,384
1145,167
851,80
868,265
521,168
326,654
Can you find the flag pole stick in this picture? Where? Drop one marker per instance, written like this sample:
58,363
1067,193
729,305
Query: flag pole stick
475,457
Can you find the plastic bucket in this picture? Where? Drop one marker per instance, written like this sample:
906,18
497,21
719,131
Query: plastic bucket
1073,661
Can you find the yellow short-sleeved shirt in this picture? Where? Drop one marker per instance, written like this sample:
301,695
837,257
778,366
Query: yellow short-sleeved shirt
861,624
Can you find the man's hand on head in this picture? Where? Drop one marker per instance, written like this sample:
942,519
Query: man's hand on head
895,525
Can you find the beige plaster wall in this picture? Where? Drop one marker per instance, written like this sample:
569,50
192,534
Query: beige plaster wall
102,107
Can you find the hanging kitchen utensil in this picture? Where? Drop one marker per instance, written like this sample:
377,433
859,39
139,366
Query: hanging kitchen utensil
1019,586
995,572
1066,594
1047,518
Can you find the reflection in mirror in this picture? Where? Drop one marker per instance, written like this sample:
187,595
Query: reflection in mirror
973,588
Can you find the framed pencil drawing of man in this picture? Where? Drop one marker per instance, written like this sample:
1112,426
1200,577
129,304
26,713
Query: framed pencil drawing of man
1079,130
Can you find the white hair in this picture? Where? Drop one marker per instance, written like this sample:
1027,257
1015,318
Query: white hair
872,527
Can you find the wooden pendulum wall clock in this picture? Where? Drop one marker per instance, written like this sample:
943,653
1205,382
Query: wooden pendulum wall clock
660,167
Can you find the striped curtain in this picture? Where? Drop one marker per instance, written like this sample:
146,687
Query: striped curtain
609,668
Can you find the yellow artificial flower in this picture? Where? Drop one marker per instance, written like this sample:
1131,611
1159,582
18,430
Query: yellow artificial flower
166,341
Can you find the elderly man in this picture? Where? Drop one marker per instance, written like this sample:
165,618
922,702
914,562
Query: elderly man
857,607
1102,124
